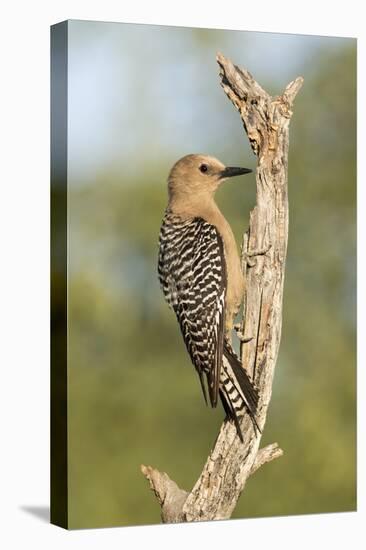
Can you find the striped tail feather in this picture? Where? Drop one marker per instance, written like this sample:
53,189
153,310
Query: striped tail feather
237,392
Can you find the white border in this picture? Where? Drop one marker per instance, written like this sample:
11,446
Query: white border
25,268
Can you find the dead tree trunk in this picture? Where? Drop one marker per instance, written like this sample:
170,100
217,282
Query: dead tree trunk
266,121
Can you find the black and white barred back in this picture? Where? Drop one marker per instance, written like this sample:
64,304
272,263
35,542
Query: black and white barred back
192,275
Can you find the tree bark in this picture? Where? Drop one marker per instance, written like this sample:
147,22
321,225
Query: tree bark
230,463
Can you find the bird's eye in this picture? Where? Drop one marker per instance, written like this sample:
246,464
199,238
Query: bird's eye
203,168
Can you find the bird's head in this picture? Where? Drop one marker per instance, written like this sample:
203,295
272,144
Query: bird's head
199,176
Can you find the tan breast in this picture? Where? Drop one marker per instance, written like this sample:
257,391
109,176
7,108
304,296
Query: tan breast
235,279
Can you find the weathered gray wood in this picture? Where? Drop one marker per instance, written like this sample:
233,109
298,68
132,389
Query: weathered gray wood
230,463
172,499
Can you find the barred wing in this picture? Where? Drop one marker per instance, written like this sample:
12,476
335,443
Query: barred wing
192,273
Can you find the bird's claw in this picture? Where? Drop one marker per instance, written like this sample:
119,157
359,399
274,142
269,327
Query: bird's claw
243,339
257,252
241,336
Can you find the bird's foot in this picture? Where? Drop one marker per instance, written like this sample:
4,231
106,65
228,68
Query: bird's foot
257,252
240,335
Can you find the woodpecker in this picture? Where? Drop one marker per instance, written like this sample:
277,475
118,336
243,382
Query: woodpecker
201,278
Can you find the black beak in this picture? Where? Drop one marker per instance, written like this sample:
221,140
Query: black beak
231,171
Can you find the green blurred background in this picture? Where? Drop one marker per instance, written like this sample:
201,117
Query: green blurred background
140,97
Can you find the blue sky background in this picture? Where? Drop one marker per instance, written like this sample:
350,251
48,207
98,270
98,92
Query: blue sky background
135,88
